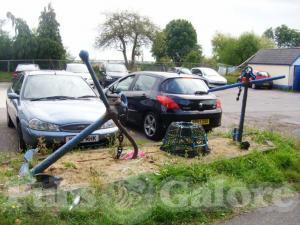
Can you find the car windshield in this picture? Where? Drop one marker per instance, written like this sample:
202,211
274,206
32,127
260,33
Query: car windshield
77,68
29,67
186,86
116,68
49,86
209,72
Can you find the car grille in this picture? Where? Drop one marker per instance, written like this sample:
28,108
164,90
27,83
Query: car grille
73,127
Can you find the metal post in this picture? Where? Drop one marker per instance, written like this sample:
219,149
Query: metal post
242,118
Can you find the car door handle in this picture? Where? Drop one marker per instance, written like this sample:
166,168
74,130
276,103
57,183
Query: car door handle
144,95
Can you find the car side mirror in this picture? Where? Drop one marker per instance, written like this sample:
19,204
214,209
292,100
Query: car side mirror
114,90
13,96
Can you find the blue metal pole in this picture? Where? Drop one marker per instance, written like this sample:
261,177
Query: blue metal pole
68,146
241,83
84,55
243,111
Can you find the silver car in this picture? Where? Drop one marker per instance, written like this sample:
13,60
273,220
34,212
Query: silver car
54,105
80,70
212,77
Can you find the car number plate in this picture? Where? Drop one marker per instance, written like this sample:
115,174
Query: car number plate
201,121
88,139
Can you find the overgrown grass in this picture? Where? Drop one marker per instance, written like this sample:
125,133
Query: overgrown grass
152,199
5,77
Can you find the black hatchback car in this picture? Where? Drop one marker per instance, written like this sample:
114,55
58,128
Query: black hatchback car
155,99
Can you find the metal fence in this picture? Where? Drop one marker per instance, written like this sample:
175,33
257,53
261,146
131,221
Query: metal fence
10,65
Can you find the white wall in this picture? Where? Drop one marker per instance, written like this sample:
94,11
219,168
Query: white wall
276,70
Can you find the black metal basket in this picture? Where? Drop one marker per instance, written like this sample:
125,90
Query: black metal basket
185,139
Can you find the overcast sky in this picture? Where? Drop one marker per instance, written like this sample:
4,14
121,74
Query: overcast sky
79,19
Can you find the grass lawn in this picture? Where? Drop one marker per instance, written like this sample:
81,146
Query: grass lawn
174,195
5,76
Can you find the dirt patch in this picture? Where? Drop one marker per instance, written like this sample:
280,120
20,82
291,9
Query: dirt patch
84,166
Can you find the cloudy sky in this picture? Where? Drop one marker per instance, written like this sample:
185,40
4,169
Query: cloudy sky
79,19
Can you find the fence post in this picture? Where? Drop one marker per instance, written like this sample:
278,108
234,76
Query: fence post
8,66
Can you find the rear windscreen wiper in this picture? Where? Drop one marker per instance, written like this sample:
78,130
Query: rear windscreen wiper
201,92
52,97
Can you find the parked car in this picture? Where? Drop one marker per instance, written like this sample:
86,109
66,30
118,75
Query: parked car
155,99
55,105
24,67
212,77
180,70
111,72
184,70
259,75
81,70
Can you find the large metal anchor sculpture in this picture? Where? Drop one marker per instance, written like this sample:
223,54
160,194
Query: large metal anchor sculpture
112,112
247,73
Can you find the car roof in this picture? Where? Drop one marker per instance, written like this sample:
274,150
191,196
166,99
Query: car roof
75,64
49,72
27,64
202,68
167,75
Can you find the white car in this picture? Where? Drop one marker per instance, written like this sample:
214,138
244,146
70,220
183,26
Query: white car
81,70
212,77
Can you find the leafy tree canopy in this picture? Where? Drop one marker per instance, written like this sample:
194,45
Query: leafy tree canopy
127,32
49,39
181,38
283,36
234,51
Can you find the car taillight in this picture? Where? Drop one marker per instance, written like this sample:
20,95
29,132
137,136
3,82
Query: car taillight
14,74
167,102
218,104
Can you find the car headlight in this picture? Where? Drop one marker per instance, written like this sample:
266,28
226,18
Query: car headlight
108,124
37,124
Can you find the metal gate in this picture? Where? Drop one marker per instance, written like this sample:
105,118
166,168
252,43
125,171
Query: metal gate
296,84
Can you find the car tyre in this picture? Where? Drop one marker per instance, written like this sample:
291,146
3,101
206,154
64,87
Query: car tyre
153,129
10,124
21,142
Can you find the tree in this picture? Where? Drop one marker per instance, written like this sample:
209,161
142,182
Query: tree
283,36
24,43
126,31
5,43
269,33
159,46
49,39
234,51
181,38
224,49
247,45
193,58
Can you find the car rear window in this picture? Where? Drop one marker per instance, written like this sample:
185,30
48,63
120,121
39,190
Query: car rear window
186,86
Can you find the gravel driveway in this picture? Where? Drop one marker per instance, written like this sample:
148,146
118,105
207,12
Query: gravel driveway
269,109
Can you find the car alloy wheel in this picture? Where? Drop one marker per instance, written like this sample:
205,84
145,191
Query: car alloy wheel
150,125
253,86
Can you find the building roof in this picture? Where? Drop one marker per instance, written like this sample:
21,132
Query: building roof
279,56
